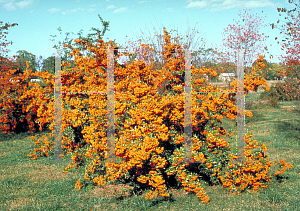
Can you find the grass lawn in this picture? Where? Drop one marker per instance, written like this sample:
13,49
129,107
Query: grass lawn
40,185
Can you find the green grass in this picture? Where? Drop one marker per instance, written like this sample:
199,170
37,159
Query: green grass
39,185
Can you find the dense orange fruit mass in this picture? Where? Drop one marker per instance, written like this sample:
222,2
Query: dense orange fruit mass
149,126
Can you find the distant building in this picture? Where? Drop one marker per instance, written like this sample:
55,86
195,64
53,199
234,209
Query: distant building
284,78
226,76
11,80
31,80
35,80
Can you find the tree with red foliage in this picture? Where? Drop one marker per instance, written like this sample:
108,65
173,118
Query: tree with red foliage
5,62
244,35
290,44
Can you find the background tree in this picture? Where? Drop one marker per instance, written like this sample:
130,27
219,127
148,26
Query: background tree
290,42
265,73
4,43
199,57
290,30
6,63
48,64
91,38
39,61
274,70
22,57
228,67
244,34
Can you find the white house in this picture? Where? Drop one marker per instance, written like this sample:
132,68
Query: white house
31,80
11,80
226,76
206,76
35,80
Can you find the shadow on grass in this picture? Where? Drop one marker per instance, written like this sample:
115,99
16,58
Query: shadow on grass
293,128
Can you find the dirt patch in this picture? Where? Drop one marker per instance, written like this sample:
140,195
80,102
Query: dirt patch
17,204
261,102
47,173
21,198
290,108
34,172
179,193
39,172
109,191
112,191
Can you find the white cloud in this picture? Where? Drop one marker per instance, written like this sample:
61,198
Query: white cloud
253,4
197,4
218,5
9,6
53,10
91,10
23,4
229,4
110,7
72,11
12,5
169,9
120,10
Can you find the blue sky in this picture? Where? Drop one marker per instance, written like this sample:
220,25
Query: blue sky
38,19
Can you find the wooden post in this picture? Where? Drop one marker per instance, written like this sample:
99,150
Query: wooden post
240,109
